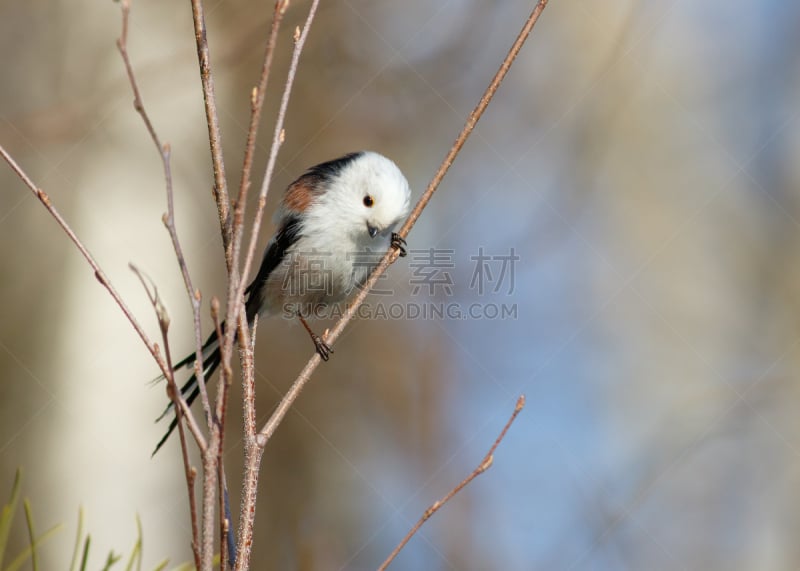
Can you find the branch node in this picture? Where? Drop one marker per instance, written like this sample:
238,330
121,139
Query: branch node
432,510
42,195
435,506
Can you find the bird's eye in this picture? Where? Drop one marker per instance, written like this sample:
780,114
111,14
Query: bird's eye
368,201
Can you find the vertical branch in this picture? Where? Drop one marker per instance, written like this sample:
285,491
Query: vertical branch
181,409
256,106
253,454
253,451
225,523
211,459
237,230
277,140
214,135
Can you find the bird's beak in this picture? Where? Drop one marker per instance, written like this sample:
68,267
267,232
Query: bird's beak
372,230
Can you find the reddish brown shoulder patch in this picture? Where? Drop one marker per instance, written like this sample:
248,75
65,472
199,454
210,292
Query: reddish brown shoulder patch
299,195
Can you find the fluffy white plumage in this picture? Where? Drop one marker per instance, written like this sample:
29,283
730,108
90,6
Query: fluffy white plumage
336,231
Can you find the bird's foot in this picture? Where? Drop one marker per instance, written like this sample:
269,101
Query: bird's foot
323,349
399,243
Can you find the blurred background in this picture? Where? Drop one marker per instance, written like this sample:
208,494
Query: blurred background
627,198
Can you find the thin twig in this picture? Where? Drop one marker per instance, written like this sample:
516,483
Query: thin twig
222,395
277,141
222,482
227,554
237,230
172,388
256,106
485,464
214,135
473,118
168,218
181,408
99,274
224,522
122,46
269,428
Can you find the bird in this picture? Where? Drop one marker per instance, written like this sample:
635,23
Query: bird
333,225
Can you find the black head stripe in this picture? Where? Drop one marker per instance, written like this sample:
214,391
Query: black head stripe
327,171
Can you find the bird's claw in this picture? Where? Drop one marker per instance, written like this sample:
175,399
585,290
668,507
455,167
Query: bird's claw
399,243
323,349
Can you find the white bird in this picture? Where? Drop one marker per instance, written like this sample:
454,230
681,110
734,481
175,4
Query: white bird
334,224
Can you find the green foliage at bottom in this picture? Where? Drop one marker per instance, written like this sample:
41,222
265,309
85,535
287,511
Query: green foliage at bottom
81,550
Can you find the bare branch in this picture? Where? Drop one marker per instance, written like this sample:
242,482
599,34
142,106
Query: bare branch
181,408
168,218
222,481
122,46
473,118
256,106
172,389
222,395
44,198
214,135
485,464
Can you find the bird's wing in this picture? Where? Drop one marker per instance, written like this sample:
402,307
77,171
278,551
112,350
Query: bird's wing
287,235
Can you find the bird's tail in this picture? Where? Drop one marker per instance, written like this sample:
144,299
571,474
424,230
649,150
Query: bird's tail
190,389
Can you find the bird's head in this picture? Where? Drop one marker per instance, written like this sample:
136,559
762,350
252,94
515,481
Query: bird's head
362,195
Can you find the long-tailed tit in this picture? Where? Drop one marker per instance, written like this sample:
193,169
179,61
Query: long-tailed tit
329,218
